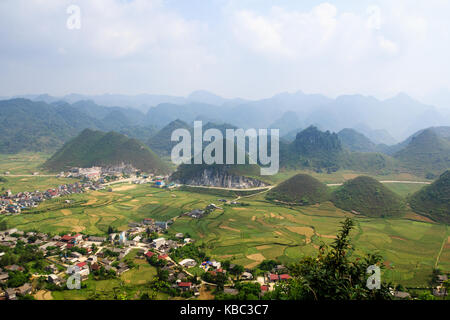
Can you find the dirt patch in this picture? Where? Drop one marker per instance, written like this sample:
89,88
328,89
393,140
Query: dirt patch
43,295
231,219
253,218
398,238
273,215
90,202
226,256
257,257
125,187
417,217
240,209
326,236
263,247
348,176
149,195
66,212
229,228
306,231
206,294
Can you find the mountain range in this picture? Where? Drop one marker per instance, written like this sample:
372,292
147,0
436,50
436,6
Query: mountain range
383,121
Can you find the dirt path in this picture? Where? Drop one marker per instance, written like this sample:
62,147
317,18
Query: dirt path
440,251
386,181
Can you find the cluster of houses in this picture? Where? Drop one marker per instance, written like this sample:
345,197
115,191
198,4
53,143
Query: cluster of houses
199,213
86,254
14,203
96,173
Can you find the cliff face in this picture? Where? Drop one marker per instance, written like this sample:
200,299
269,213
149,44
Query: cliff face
214,178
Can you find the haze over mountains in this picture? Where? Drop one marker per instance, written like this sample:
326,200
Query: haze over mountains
383,121
35,125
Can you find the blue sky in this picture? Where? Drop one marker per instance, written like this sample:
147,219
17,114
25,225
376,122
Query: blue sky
235,48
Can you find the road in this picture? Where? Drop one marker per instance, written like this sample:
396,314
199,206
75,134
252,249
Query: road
386,181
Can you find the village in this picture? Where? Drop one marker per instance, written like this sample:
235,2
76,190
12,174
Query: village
88,257
94,178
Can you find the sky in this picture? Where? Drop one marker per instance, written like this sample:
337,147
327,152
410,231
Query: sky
235,48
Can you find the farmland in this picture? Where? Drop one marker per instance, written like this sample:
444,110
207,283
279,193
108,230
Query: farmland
246,235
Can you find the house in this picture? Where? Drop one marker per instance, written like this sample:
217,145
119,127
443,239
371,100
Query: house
231,291
95,266
92,259
246,276
179,235
96,239
147,221
188,263
264,289
162,225
53,278
14,267
67,238
52,268
4,277
11,294
185,286
163,256
285,276
149,254
84,274
158,242
273,277
24,289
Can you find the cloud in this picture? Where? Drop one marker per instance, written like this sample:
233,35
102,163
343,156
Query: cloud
242,48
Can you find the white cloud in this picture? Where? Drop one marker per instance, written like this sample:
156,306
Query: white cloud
250,48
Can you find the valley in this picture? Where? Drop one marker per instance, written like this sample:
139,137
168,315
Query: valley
410,244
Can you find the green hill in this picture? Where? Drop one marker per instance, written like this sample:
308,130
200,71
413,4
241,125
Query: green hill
36,126
369,197
313,148
355,141
434,200
425,153
161,143
96,148
300,189
220,175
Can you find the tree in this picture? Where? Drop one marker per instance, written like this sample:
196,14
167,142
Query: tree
333,275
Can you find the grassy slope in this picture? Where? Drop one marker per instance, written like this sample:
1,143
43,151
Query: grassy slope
300,189
98,148
367,196
434,200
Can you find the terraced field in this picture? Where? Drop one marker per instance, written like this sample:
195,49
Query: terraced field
247,235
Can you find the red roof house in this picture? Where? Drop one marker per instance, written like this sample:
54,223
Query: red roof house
149,254
273,277
285,277
163,256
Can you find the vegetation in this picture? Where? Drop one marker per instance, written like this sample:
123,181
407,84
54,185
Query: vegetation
367,196
434,200
426,153
301,189
333,275
92,148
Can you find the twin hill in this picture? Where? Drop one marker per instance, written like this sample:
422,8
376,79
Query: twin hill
97,148
369,197
301,189
434,200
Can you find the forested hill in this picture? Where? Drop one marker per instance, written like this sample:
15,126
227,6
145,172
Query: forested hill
96,148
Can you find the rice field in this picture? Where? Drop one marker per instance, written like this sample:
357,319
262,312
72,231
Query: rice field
410,245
